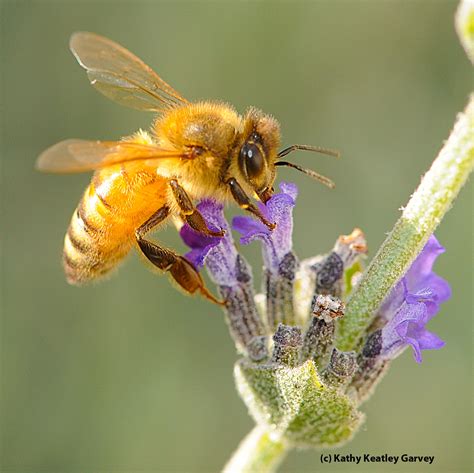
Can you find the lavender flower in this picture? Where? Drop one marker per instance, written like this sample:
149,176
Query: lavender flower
412,304
295,396
280,263
277,243
231,273
401,321
290,367
221,251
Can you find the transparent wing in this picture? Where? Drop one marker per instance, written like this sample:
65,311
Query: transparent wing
121,76
72,156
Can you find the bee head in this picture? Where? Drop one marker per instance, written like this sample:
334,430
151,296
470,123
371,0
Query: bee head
258,152
258,155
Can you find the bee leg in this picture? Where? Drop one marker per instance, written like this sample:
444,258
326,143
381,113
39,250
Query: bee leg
245,203
159,216
190,213
182,271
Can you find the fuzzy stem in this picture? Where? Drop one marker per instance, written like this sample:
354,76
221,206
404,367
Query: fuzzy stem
257,453
425,210
464,22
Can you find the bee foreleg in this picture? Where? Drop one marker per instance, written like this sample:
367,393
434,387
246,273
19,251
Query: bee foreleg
182,271
245,203
190,213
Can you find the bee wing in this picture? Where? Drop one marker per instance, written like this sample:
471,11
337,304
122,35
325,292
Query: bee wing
72,156
121,76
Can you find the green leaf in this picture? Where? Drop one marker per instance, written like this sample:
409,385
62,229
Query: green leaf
296,405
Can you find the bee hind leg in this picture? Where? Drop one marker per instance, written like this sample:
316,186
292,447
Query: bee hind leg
190,213
182,271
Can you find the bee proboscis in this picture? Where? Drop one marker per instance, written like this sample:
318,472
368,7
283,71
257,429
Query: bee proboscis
193,151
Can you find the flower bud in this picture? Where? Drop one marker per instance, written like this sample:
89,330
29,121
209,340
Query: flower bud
287,343
319,336
257,348
340,369
371,368
242,316
329,272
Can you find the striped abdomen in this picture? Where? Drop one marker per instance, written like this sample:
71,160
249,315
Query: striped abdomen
102,230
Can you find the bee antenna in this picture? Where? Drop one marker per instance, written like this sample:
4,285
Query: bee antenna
309,172
314,149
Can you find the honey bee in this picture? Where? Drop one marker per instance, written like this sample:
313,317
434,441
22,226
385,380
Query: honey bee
193,151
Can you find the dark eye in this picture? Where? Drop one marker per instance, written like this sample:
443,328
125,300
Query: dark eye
251,160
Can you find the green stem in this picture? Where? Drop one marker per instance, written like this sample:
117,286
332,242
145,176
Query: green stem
257,453
464,22
425,210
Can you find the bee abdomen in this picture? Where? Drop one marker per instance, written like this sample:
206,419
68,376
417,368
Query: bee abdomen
91,248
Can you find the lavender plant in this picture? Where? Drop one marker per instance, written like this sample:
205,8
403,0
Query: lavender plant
319,337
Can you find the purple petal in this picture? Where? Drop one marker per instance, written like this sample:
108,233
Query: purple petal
213,213
421,339
276,243
249,228
421,274
428,297
423,264
196,257
412,303
200,244
416,349
429,341
439,286
281,212
393,302
408,328
218,253
290,189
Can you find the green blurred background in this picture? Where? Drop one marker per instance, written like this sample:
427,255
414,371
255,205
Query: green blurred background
130,375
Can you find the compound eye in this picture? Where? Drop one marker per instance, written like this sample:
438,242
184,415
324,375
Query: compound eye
252,160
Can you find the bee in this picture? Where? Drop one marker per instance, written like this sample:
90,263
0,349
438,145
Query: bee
193,151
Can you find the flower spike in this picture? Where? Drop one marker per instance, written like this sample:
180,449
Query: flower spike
230,272
280,263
